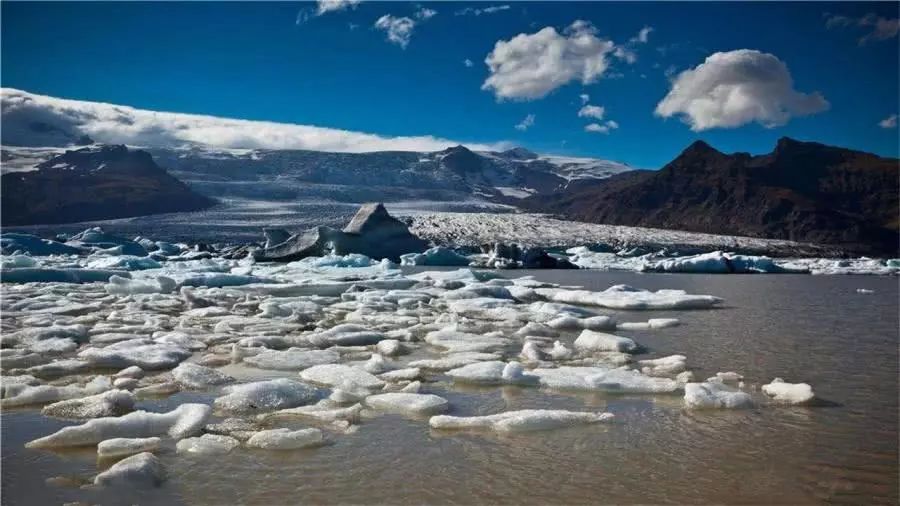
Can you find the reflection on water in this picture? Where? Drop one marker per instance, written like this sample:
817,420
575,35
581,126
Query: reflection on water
803,328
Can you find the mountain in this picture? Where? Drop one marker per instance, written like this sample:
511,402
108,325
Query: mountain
92,183
450,174
801,191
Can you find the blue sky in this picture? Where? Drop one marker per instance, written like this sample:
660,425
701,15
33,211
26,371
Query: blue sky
338,70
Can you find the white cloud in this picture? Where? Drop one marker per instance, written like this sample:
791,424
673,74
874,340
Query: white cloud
585,98
623,53
529,66
643,35
324,7
399,30
478,12
37,120
591,111
879,28
889,122
468,63
734,88
604,128
526,123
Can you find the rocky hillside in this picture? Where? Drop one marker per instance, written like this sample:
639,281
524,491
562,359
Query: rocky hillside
94,183
801,191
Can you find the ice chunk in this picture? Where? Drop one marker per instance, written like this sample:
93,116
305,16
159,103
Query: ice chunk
324,411
453,360
590,323
592,341
626,297
207,444
536,329
376,364
454,341
110,403
718,262
491,373
183,421
789,393
149,357
130,372
664,366
123,262
24,394
122,447
438,255
34,245
53,275
347,334
141,470
261,396
560,352
603,379
519,421
125,286
198,376
715,395
389,347
292,360
220,279
286,439
336,374
8,262
411,403
407,374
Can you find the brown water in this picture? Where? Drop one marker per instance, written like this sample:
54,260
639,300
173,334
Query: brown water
802,328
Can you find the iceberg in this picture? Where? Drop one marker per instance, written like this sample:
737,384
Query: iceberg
789,393
123,447
141,470
718,262
268,395
626,297
54,275
33,245
519,421
286,439
714,394
407,403
437,256
183,421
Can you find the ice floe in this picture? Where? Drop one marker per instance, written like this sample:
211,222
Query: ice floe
141,470
789,393
519,421
207,444
286,439
411,403
715,394
262,396
123,447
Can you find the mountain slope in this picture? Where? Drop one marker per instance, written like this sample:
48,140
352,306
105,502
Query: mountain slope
94,183
801,191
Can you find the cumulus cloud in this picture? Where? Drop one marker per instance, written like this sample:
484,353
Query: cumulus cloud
591,111
889,122
37,120
734,88
324,7
526,123
472,11
643,35
603,128
468,63
530,66
878,28
399,30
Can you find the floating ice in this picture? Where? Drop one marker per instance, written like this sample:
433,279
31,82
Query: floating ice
591,341
324,411
454,341
389,347
207,444
14,261
141,470
261,396
590,323
336,374
603,379
110,403
492,373
34,245
149,357
626,297
718,262
53,275
453,360
664,366
183,421
286,439
401,402
789,393
292,360
715,395
437,256
23,394
519,421
125,286
125,262
198,376
218,279
122,447
347,334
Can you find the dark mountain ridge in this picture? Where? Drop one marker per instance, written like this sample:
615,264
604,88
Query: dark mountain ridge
801,191
94,183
